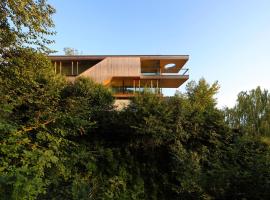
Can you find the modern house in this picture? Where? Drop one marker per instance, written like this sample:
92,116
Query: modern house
126,75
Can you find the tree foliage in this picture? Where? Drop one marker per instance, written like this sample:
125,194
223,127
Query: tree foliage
24,23
251,114
70,51
42,119
65,141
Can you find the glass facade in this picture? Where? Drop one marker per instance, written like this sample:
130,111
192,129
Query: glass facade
128,87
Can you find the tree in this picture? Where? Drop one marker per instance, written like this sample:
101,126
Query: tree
251,114
29,98
82,103
70,51
44,123
197,115
150,118
239,170
160,156
29,92
25,23
201,94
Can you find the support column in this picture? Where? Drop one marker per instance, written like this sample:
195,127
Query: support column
72,69
134,86
77,68
60,67
123,84
157,86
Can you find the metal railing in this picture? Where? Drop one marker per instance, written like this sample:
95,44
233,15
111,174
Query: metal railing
185,71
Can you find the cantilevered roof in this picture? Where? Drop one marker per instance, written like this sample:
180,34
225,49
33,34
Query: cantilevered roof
97,57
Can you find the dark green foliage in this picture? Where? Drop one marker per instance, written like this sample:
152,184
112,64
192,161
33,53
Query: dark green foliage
150,119
196,114
241,171
81,103
65,141
40,128
29,98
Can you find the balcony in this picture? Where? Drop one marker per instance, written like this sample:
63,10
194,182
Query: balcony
182,72
127,77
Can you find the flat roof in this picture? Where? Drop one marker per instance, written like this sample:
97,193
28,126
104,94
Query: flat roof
97,57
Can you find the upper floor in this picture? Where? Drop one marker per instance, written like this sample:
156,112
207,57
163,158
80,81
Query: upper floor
126,74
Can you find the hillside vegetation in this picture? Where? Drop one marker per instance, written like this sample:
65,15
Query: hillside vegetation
65,141
62,140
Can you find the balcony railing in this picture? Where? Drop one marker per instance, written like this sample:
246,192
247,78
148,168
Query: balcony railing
130,90
182,72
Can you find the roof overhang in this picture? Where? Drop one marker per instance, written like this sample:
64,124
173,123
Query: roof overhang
100,57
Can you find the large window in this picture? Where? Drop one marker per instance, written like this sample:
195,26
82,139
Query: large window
73,68
135,86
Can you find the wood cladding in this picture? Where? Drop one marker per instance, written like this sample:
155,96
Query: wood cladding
113,66
126,72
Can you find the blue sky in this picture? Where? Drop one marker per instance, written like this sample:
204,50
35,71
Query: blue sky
228,41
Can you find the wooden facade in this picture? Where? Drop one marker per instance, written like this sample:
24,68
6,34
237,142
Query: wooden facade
126,75
110,67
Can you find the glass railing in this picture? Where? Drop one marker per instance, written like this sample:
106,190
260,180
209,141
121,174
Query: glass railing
130,90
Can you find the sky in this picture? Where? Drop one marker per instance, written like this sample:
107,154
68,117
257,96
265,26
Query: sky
227,40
